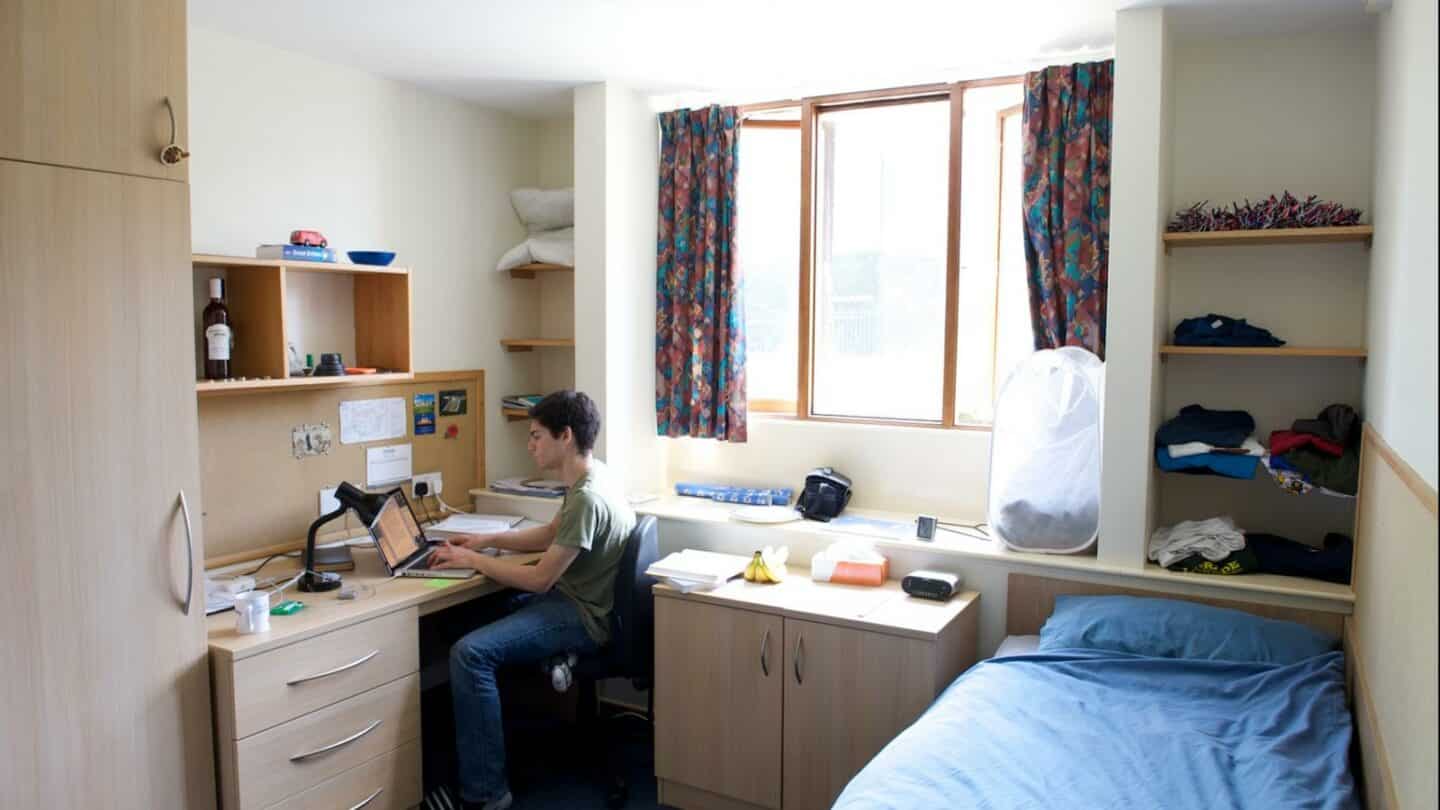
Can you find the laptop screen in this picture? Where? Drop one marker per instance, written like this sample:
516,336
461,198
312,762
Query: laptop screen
396,532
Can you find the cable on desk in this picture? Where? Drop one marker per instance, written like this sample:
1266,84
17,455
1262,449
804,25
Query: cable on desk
974,531
252,572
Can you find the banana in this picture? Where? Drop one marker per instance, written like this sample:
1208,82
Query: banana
752,570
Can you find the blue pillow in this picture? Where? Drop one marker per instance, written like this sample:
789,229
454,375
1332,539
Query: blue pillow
1169,628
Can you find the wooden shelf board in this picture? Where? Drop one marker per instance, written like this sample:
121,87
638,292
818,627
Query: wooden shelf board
526,344
241,262
515,414
529,270
211,388
1271,236
1265,351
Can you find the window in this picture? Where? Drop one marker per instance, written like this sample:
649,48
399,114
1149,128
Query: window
767,241
893,288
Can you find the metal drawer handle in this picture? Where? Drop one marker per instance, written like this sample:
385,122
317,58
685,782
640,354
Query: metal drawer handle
336,671
337,744
764,648
369,798
189,552
799,655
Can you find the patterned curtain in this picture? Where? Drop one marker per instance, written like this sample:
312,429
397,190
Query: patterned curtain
699,309
1067,202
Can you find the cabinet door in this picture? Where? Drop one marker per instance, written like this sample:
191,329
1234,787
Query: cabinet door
104,684
83,83
717,699
847,693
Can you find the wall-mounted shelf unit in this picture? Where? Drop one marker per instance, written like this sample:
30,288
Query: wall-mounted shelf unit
527,344
529,270
1271,236
256,292
515,414
1344,352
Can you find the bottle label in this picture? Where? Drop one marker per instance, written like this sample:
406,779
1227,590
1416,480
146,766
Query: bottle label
217,342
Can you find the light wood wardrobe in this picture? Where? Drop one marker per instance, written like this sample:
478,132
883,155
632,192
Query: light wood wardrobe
104,694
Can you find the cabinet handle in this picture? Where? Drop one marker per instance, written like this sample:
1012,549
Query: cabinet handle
336,671
172,153
368,799
799,655
337,744
189,553
764,648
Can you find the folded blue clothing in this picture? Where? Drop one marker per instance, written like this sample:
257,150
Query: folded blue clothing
1196,423
763,496
1223,330
1229,465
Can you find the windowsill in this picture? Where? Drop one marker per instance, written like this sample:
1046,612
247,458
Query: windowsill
790,418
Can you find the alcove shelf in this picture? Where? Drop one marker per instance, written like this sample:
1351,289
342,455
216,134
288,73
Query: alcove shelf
256,294
527,344
529,270
1271,236
1345,352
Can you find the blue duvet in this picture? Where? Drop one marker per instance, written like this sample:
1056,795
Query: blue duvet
1097,729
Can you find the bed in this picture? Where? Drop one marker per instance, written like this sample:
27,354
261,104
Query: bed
1095,726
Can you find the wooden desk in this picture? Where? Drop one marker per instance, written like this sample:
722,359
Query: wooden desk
774,696
324,709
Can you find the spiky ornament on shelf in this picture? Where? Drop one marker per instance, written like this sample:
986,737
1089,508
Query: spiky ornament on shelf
1284,211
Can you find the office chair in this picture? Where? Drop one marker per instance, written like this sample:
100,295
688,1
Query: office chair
630,652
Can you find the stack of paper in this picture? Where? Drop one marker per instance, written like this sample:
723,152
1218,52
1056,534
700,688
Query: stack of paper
475,524
690,570
530,486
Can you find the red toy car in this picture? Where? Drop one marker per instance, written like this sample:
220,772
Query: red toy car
308,238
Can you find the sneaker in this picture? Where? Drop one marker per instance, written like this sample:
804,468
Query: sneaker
561,670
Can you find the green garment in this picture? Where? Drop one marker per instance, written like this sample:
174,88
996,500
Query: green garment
1243,561
1338,474
596,519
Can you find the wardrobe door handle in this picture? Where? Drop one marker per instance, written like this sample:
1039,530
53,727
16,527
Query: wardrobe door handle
324,749
764,648
189,553
799,655
336,671
368,799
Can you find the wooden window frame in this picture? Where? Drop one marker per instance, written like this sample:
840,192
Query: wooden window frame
810,108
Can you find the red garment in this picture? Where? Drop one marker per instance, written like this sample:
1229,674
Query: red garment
1283,441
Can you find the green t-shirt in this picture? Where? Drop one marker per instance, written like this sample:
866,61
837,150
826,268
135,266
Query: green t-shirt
596,519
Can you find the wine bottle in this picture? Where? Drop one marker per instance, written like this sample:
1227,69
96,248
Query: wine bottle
219,337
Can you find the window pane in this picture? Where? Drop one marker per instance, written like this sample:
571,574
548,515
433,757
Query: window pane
989,249
768,252
879,283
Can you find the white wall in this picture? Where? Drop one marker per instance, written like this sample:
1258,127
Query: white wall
1400,381
1139,183
616,145
556,291
282,140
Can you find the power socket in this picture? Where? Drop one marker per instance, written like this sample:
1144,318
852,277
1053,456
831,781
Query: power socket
328,503
434,484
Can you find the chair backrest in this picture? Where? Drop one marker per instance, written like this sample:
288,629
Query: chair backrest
632,619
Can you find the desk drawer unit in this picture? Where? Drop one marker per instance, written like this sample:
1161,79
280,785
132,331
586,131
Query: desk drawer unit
303,753
390,781
273,687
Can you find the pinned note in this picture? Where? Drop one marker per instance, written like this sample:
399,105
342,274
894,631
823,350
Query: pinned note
387,465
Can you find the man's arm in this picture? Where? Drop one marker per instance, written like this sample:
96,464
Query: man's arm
537,578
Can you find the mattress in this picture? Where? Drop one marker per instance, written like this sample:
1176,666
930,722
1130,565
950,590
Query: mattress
1090,728
1017,645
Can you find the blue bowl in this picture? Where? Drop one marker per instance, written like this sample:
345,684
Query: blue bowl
379,258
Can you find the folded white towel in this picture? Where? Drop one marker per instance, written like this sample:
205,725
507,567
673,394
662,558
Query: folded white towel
1250,447
1214,539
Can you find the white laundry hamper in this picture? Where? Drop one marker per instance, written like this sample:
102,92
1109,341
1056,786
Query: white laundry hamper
1045,453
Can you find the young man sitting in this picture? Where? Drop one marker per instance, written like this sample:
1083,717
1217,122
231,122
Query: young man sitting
570,590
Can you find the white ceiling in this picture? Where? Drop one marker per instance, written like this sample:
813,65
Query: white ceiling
524,56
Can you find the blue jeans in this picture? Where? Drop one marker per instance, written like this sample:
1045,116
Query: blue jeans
542,625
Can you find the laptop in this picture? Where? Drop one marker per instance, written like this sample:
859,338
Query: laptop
403,546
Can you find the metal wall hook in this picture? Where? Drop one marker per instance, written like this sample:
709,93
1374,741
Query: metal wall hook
173,153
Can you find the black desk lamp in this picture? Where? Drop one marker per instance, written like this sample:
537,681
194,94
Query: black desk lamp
366,505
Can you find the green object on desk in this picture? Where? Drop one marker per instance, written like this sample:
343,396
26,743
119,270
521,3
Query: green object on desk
437,583
286,608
